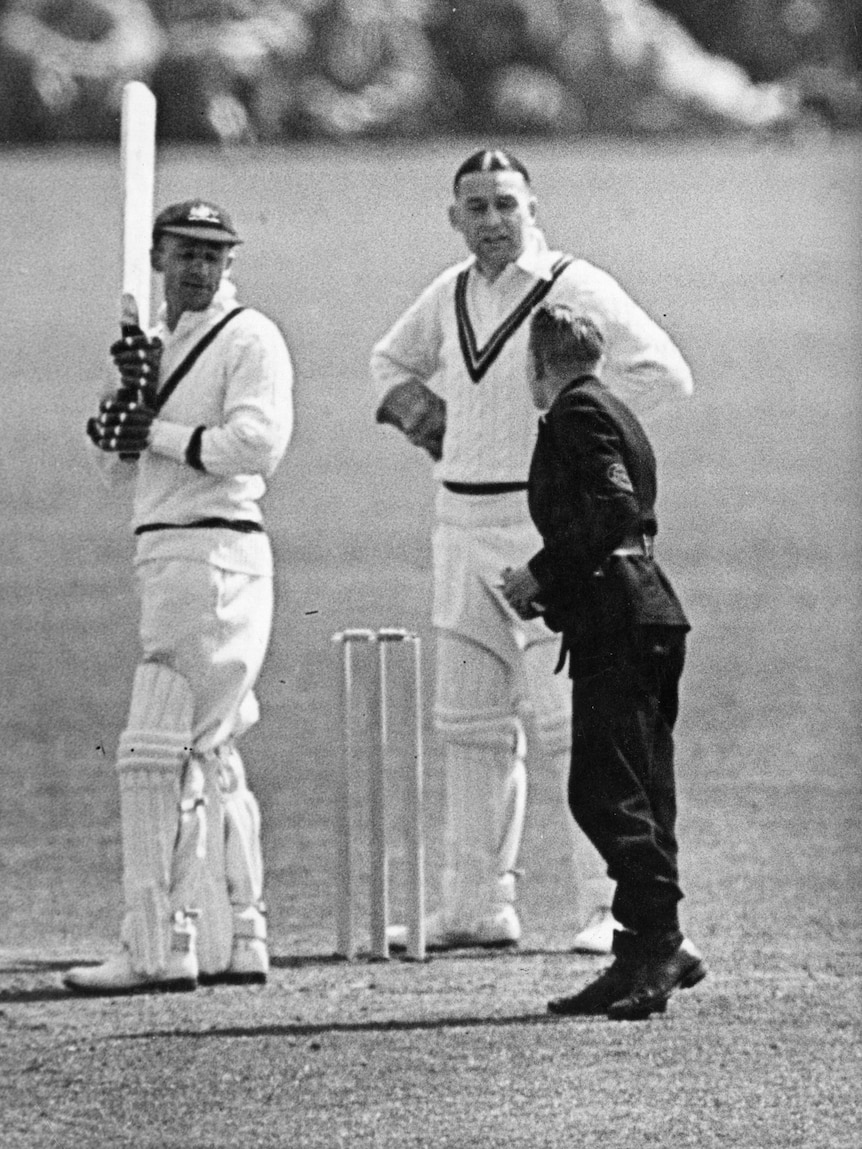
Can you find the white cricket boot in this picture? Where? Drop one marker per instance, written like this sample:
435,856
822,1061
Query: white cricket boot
500,930
118,977
232,935
597,936
249,962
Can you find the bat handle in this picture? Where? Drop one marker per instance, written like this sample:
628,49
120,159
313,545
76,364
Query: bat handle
126,330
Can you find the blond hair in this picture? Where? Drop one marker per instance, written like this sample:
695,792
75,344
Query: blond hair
562,339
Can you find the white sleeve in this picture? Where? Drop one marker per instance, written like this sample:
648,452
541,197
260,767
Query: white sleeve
410,349
643,366
258,411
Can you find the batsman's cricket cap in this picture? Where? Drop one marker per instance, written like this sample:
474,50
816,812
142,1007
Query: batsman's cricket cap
196,219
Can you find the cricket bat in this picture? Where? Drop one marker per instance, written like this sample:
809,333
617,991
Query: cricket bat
138,163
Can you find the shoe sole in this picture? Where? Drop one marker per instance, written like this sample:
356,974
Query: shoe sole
689,979
459,944
228,978
599,1011
179,985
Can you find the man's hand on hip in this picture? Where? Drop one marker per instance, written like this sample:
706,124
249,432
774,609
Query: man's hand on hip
418,413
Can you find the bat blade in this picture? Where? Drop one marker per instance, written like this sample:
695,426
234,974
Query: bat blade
138,163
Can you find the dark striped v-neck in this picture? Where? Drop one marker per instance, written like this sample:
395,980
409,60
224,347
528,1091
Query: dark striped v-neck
479,360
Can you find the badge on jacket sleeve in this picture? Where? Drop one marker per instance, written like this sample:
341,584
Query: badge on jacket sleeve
618,477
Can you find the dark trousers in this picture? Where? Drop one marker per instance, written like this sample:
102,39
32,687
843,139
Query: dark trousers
621,785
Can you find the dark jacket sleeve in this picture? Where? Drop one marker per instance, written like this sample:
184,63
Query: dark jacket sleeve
581,496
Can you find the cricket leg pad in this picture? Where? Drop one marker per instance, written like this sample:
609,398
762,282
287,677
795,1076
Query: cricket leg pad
232,927
249,958
215,924
514,811
486,795
151,757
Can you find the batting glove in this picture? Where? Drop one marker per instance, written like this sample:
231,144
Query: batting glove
137,357
123,424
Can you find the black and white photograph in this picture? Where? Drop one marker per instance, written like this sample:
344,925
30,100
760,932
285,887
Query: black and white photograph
430,597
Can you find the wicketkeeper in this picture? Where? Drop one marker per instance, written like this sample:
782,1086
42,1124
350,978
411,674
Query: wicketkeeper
201,419
452,375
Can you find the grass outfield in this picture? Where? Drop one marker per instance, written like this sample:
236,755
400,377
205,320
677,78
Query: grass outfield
749,253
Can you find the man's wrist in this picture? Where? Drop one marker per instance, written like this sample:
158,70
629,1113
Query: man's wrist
170,439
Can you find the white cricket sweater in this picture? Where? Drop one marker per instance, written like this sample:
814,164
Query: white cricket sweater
240,391
490,418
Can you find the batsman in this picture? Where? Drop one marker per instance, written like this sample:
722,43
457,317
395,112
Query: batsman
451,375
200,420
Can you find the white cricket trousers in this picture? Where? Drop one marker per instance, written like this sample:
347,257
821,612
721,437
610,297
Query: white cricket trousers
212,626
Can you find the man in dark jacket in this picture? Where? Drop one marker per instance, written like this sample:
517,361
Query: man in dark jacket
592,491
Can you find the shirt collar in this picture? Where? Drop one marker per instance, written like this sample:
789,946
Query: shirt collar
536,260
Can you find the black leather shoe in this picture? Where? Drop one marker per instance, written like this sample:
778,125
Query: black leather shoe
616,981
655,977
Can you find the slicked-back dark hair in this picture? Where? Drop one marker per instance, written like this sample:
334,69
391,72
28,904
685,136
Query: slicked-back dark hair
564,339
490,160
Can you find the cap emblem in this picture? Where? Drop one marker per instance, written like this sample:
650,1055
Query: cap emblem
203,213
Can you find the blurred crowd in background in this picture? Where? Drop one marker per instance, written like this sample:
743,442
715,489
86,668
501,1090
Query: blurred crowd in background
273,70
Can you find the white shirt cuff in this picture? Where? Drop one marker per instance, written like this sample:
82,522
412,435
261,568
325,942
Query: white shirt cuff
170,439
